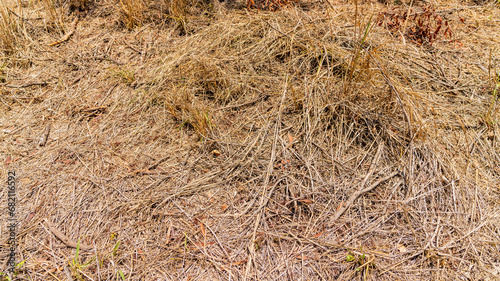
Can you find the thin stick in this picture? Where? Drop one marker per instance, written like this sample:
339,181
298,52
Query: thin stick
265,199
45,135
358,193
65,239
362,190
216,239
25,85
68,35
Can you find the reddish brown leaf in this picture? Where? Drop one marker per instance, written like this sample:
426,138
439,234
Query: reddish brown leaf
319,234
7,161
239,262
302,257
202,229
340,205
201,244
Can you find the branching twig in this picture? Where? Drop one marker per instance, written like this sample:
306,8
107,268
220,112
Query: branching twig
362,190
265,199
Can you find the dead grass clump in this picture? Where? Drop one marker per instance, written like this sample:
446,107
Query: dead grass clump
25,29
121,74
55,14
271,5
12,31
180,12
238,61
131,12
178,9
79,5
189,112
242,54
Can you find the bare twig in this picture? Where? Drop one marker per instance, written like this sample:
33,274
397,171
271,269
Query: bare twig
68,35
25,85
65,239
265,199
362,190
45,135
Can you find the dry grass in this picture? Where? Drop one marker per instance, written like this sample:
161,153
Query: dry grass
131,12
11,30
187,141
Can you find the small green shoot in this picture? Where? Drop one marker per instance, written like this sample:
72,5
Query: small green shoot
115,248
113,253
75,264
357,53
75,259
3,77
125,75
19,265
120,275
360,263
184,123
5,276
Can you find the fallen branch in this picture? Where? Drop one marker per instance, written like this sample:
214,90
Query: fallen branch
23,19
108,59
358,193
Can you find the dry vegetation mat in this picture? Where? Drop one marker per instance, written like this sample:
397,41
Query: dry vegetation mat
260,140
